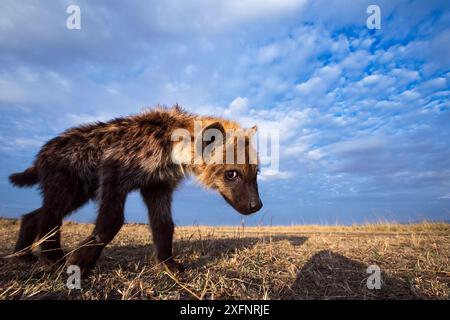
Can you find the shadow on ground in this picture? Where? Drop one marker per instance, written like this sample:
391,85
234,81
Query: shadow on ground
326,275
329,275
208,250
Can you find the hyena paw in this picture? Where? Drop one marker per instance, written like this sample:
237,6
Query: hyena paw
173,266
52,258
23,258
82,263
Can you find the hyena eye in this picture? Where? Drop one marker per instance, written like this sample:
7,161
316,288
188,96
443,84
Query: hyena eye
231,174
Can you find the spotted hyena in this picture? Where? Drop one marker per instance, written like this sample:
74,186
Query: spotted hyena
150,152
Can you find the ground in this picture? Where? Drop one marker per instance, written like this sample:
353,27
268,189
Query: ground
295,262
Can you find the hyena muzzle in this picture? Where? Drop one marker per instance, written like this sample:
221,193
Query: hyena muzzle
106,161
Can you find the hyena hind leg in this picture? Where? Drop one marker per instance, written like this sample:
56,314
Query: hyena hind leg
50,236
109,221
55,208
27,234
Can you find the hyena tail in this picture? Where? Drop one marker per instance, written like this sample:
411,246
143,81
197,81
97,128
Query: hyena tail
27,178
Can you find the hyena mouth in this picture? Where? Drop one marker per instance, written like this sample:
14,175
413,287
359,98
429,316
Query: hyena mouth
245,211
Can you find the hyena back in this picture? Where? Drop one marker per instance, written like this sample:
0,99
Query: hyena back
106,161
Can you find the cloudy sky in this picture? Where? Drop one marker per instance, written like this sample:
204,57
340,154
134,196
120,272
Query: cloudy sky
363,114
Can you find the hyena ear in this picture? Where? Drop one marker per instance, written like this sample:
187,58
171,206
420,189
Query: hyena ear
251,132
213,133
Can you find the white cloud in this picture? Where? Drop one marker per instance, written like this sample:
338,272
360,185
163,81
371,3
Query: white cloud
268,53
206,17
433,84
406,75
357,145
239,104
190,69
294,150
409,95
340,47
28,85
112,90
17,144
315,154
321,82
372,79
28,142
77,119
356,61
270,174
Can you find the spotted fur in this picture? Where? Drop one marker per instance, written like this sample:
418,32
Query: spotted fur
104,161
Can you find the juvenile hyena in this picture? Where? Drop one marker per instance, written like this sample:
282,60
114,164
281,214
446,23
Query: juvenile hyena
105,161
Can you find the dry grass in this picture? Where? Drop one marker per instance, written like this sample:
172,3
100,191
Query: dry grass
298,262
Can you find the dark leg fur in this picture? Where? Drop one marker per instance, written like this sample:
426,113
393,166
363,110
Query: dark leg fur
109,221
158,200
49,227
27,234
61,197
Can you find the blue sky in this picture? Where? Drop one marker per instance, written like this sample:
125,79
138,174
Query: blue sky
363,114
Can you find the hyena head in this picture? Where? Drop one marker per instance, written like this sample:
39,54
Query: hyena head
225,160
229,165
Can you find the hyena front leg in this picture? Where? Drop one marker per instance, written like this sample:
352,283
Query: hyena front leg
159,200
109,221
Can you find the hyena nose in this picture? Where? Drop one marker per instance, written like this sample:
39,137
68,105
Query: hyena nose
255,205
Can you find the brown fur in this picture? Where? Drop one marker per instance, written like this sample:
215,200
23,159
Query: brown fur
105,161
